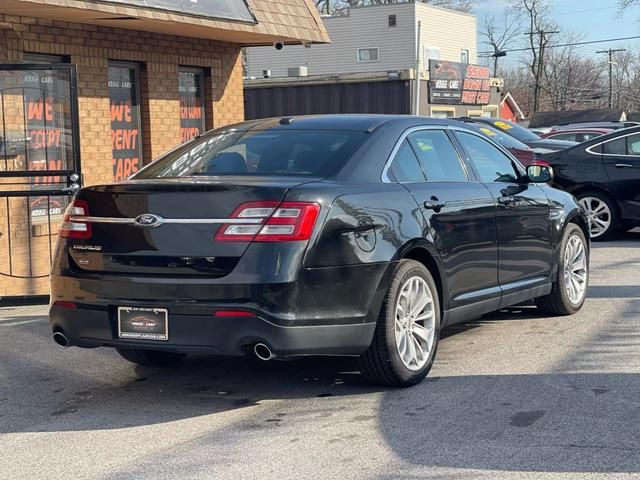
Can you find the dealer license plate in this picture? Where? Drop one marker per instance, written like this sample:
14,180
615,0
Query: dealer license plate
143,323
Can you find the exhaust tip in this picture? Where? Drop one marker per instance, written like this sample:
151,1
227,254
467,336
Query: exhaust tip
262,352
60,339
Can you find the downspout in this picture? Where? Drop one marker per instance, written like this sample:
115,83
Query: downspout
416,107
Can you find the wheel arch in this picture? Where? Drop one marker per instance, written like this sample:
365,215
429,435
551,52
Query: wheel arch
577,218
595,188
426,253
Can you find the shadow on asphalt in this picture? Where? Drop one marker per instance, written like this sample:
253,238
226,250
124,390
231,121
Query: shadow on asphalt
577,421
623,239
81,389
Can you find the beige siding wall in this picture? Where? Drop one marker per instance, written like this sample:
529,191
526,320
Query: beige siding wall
362,28
447,30
367,27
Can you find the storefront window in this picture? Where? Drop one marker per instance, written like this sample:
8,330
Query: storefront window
190,85
124,96
48,142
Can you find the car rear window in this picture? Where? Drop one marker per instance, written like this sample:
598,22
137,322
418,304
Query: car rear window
507,141
571,137
259,152
516,131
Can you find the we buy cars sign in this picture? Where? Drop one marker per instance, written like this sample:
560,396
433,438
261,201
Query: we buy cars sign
455,83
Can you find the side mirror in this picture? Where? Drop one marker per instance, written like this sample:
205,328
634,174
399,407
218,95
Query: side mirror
539,173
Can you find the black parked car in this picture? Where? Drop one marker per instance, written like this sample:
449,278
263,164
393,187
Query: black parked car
331,235
604,174
524,135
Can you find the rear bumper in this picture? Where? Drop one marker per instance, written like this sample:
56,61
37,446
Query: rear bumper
327,311
230,336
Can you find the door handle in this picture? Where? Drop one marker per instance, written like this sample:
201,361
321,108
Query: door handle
507,200
433,204
623,165
73,188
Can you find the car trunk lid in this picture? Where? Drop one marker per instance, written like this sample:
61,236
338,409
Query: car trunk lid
177,220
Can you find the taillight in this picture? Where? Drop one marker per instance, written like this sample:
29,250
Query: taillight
234,313
270,222
62,304
543,163
75,228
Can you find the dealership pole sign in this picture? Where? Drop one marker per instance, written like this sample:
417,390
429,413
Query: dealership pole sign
454,83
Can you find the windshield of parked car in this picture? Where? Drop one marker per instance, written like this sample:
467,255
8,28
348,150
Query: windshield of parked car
501,138
259,152
515,130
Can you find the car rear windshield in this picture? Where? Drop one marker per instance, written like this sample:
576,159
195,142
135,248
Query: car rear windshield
516,131
259,152
507,141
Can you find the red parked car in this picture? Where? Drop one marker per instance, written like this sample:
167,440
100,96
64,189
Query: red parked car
577,134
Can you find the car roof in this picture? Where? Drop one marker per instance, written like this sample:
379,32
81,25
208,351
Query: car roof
351,122
482,119
608,136
609,125
578,130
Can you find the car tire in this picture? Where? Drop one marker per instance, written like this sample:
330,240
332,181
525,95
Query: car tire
153,358
560,301
592,202
386,362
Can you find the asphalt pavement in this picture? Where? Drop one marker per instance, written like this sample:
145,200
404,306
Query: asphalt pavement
513,395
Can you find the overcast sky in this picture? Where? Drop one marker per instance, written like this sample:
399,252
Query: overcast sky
595,19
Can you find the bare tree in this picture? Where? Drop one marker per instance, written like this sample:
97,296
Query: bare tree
329,7
539,26
624,4
498,37
571,80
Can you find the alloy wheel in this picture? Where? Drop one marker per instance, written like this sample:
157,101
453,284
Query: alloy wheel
575,269
415,323
599,215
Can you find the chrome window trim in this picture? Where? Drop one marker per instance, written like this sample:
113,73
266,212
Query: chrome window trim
455,128
385,177
499,147
588,149
181,221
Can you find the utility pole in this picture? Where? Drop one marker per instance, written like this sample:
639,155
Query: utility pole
497,54
540,65
610,52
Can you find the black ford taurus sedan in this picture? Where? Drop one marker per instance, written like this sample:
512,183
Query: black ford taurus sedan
328,235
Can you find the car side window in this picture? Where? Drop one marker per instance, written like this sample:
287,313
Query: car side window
633,144
615,147
596,148
564,136
438,156
589,136
405,167
490,163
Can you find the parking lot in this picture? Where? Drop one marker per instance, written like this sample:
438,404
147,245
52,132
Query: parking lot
512,395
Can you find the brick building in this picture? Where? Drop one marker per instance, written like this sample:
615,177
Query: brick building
147,79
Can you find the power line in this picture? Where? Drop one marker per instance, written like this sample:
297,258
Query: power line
590,42
540,67
610,53
587,10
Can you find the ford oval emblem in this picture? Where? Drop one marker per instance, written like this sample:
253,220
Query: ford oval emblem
149,220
